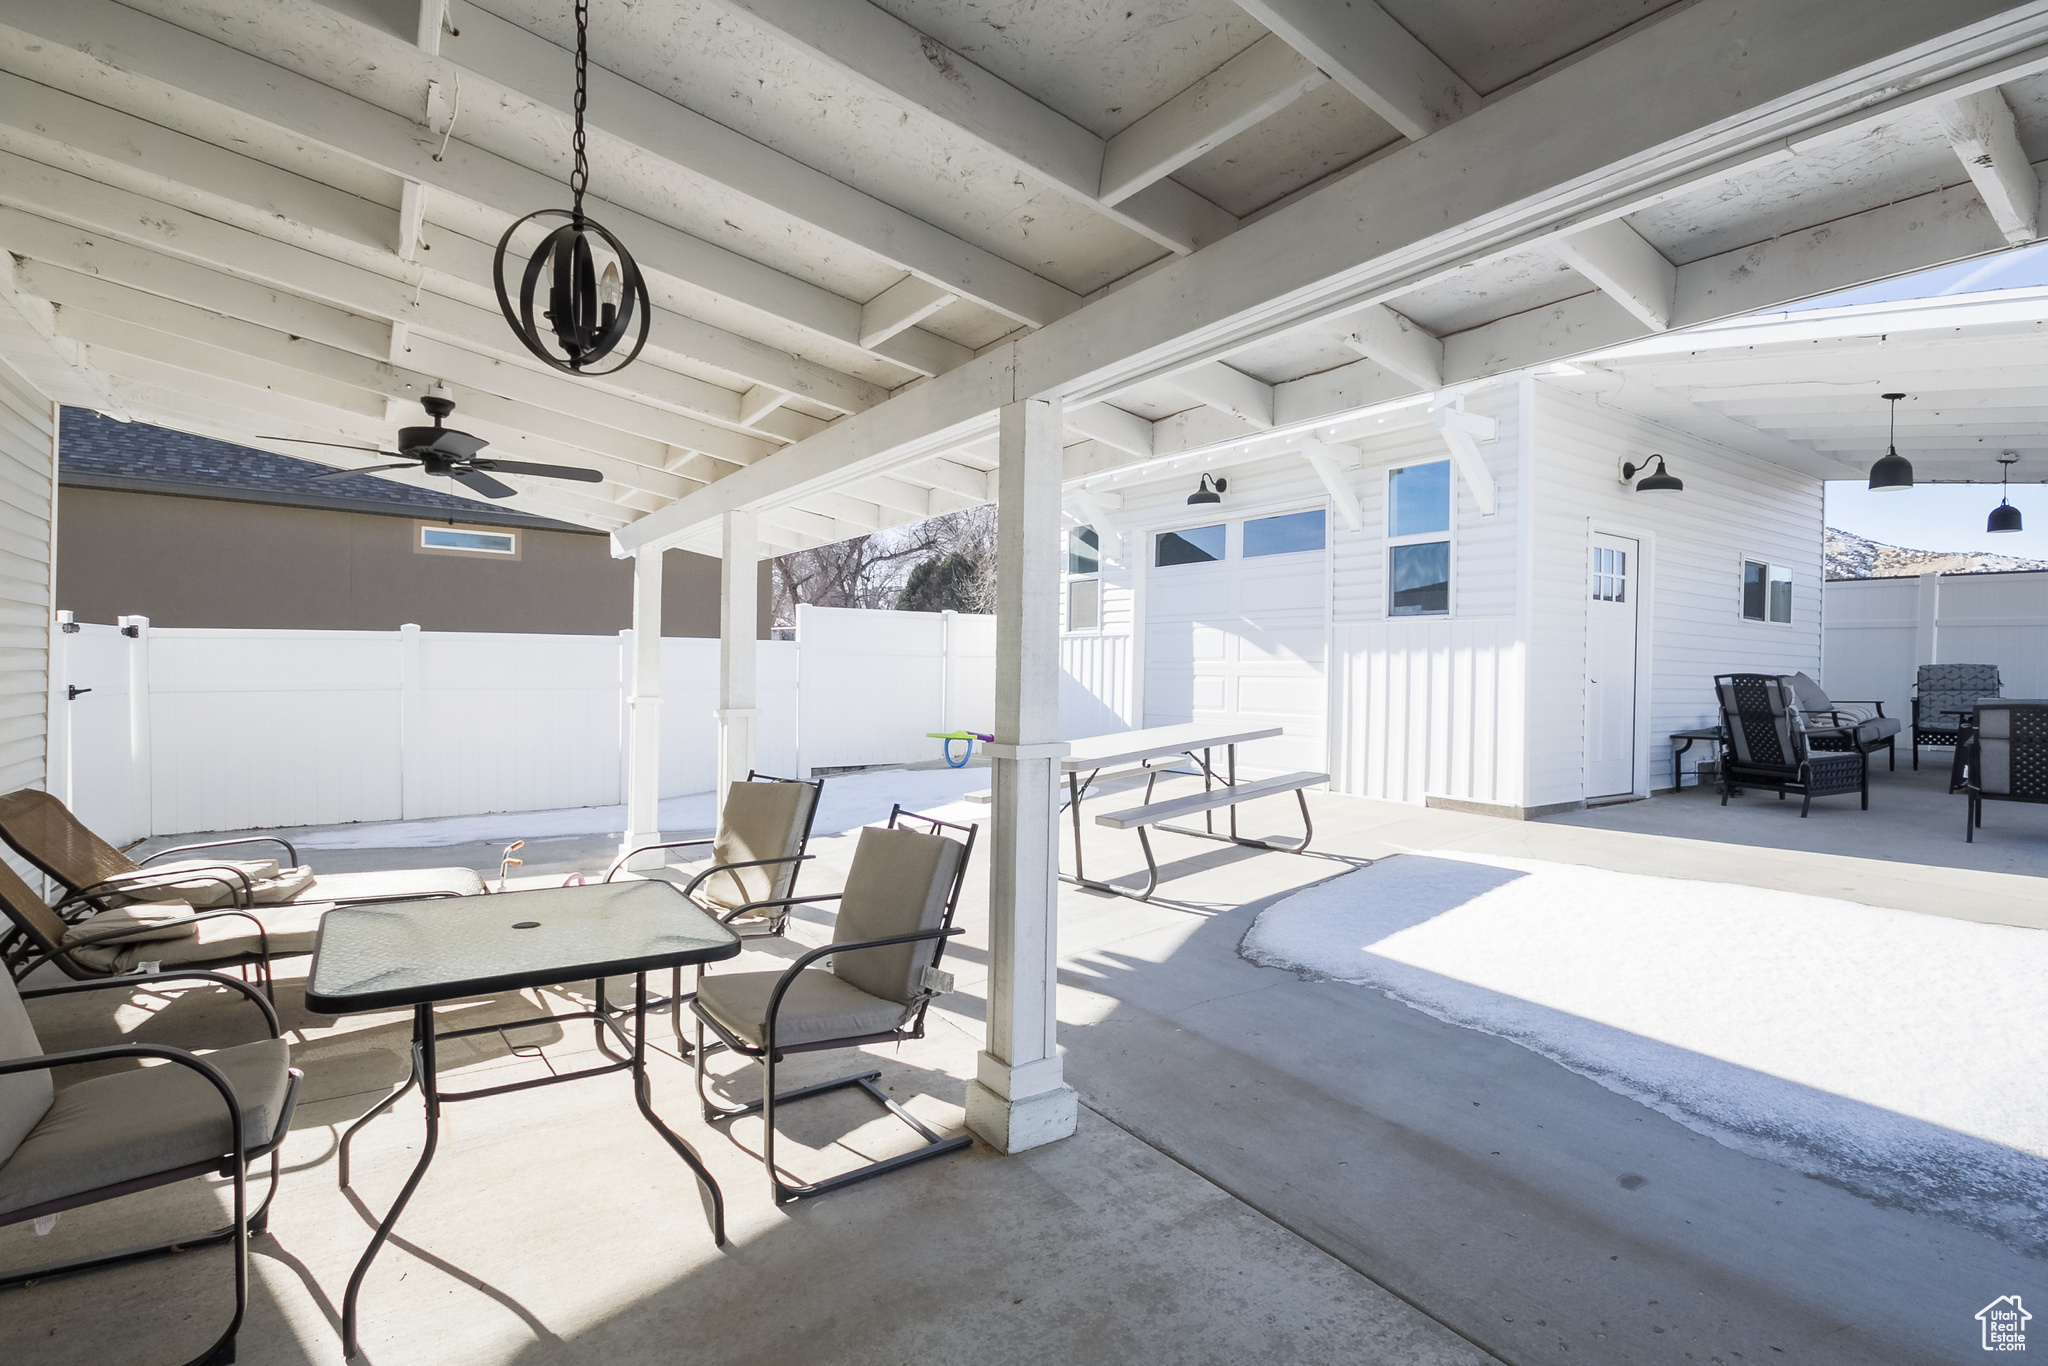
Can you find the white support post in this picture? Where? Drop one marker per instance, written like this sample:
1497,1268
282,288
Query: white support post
1019,1098
738,704
1927,621
643,727
140,775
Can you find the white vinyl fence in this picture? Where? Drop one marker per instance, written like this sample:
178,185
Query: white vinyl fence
198,730
1878,631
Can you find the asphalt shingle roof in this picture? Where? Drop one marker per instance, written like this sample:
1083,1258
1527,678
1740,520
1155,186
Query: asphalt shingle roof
94,451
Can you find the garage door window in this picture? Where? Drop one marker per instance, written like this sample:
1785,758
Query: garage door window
1419,540
1297,531
1194,545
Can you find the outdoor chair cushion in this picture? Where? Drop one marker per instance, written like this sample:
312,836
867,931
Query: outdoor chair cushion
2012,750
1756,715
267,886
818,1006
24,1096
146,1120
291,929
1818,712
898,884
758,820
1951,688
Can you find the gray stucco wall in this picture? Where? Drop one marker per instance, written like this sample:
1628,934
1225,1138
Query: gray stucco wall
214,563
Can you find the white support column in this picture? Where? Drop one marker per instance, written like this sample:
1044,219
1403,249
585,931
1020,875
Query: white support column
1927,621
141,776
1019,1098
643,726
738,614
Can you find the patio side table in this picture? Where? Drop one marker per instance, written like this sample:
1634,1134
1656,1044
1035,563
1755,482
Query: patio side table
417,953
1678,750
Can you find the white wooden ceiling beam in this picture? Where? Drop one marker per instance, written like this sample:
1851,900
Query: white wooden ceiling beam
41,319
1980,127
1627,269
902,305
162,56
1112,426
917,72
1255,84
1098,509
1227,389
1333,465
1399,344
1365,50
126,152
531,68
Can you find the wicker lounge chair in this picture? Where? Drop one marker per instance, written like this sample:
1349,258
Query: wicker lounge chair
1763,746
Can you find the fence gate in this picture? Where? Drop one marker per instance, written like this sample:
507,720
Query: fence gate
93,759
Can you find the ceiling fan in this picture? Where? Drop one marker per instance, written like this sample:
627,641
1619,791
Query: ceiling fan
445,451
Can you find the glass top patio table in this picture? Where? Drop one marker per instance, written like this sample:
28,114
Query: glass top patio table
401,953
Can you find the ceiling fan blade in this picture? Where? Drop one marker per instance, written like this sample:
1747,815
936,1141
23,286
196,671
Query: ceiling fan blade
367,469
450,444
303,441
484,484
543,471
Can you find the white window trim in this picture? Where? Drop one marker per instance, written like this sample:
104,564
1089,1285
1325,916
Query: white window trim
1262,515
1388,541
421,530
1068,579
1233,536
1741,569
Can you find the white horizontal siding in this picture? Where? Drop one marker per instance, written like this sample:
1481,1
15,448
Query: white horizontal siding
1733,505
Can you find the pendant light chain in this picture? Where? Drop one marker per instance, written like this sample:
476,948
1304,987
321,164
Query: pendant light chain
580,175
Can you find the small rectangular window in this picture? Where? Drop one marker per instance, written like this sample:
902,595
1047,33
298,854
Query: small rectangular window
1419,499
1084,605
463,539
1766,592
1084,553
1195,545
1610,574
1421,579
1286,535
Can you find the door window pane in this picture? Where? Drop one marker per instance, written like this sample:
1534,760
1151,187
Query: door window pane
1420,577
1283,535
1419,499
1196,545
1610,574
1781,594
1083,550
1755,591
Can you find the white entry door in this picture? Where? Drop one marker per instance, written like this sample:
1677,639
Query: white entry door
1611,667
1241,642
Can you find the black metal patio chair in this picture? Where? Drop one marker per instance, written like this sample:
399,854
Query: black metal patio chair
2009,757
1943,696
206,1114
1837,726
890,933
1763,746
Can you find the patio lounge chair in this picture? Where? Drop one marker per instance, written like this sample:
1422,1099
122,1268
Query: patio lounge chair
894,918
113,1135
1840,726
42,830
89,944
1765,747
2010,759
1942,689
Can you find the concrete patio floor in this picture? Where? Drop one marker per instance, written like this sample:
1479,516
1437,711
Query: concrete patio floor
1267,1168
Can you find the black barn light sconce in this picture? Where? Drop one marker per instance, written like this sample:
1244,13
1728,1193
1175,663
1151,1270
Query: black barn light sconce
1663,481
1209,491
1892,472
589,311
2005,517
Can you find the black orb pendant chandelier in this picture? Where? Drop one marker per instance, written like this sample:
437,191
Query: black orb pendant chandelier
588,312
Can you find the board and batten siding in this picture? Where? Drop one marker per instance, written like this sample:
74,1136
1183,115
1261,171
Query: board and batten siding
28,444
1734,506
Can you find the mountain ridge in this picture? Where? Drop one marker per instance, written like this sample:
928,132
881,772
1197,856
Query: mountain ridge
1849,556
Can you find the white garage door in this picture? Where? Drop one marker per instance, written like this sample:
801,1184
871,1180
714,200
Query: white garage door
1239,639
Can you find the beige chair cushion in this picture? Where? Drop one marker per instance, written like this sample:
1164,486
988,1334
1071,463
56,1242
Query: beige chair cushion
392,882
159,882
758,820
220,939
24,1096
148,922
221,889
898,885
140,1122
818,1006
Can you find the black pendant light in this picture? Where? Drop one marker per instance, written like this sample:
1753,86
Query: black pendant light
2005,517
1663,481
1208,491
1893,471
588,312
